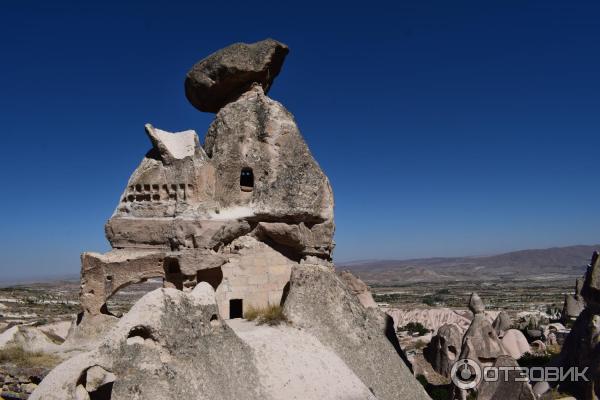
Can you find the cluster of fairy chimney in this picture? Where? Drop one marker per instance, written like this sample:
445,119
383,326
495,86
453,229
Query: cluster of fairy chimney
237,211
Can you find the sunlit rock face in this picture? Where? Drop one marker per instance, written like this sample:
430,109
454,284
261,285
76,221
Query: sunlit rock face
237,212
241,223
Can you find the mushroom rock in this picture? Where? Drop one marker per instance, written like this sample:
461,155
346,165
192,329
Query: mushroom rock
243,222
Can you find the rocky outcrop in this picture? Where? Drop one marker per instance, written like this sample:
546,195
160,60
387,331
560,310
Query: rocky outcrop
359,288
574,303
512,388
28,337
244,222
153,353
431,318
582,347
482,345
502,323
321,304
237,212
444,349
226,74
515,343
480,342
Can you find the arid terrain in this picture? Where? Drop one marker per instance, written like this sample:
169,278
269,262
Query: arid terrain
407,298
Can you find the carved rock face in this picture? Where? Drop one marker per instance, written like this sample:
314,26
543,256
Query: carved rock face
225,75
252,195
256,167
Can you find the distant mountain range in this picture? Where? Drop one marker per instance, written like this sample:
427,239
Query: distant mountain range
538,264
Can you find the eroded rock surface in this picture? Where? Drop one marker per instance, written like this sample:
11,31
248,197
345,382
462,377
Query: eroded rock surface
229,72
581,348
154,352
243,222
443,350
320,303
360,289
237,212
502,323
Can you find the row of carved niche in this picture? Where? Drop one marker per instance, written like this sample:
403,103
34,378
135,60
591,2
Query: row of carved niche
156,192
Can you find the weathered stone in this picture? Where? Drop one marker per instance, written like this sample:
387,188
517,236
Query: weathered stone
320,303
173,146
226,74
581,348
97,376
178,333
515,343
359,288
444,348
224,225
502,323
574,303
476,304
503,389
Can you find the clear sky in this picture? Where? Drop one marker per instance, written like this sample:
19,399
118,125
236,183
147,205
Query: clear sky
446,128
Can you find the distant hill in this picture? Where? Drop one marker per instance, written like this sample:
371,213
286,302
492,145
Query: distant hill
555,262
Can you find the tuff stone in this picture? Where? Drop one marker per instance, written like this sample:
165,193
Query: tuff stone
502,323
226,74
245,221
443,350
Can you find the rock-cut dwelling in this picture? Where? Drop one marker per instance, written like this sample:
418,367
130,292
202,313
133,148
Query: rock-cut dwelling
237,212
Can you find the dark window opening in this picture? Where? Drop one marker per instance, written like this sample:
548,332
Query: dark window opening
173,273
236,308
213,276
141,331
247,179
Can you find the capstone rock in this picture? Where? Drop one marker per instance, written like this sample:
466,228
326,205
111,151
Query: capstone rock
226,74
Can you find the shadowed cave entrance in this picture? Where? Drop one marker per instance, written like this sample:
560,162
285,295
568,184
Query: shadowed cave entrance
213,276
236,308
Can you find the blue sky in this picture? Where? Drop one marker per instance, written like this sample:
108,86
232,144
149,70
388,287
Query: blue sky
446,128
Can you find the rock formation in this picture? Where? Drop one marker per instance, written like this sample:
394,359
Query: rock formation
228,73
444,348
482,345
243,221
582,347
238,212
515,343
574,303
502,323
512,388
431,318
359,288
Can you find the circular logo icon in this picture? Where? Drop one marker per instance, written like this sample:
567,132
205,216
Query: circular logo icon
466,374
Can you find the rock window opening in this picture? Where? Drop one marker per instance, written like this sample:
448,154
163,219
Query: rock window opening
236,308
173,273
213,276
247,180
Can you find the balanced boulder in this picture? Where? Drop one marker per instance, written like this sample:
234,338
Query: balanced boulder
226,74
